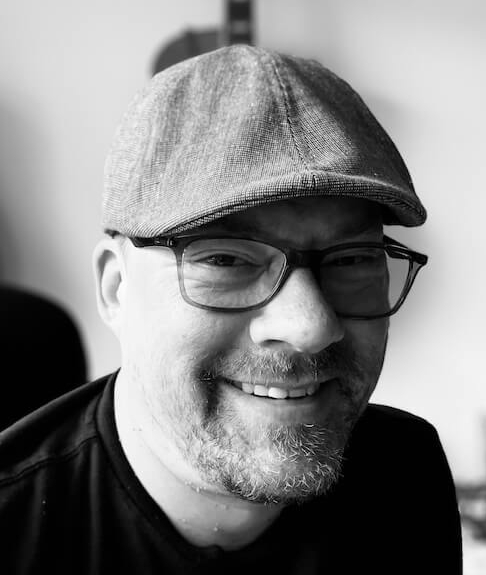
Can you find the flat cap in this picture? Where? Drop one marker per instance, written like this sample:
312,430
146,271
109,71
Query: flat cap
240,127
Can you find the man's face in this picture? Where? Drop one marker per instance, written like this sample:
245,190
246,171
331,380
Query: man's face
188,366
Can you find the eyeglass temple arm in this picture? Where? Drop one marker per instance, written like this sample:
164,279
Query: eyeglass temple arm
421,259
164,241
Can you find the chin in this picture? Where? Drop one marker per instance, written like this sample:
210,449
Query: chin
287,465
295,485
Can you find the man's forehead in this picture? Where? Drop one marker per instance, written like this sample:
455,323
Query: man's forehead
319,218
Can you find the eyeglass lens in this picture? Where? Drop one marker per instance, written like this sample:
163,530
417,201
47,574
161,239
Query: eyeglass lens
236,273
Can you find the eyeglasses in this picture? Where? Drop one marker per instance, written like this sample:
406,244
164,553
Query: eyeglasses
359,280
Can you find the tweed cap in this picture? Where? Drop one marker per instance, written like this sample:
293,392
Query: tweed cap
240,127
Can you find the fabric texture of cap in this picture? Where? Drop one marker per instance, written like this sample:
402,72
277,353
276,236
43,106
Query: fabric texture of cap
240,127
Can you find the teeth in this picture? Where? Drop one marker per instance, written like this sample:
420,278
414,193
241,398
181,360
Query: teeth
297,392
260,390
278,392
247,388
312,388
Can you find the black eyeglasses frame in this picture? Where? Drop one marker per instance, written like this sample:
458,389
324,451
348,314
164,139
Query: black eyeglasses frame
293,259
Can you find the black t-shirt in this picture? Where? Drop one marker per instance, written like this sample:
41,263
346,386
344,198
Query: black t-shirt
70,504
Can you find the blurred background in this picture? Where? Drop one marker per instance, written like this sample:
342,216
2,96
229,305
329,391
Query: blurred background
68,70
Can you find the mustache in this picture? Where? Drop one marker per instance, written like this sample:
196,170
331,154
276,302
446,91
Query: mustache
339,358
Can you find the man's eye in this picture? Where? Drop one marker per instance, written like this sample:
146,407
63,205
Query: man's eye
352,260
223,260
349,261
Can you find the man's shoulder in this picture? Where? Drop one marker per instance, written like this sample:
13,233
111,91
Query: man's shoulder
379,418
51,433
391,438
395,495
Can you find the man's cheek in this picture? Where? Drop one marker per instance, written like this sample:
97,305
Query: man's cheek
367,335
208,333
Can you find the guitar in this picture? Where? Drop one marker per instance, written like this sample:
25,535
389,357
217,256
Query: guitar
237,29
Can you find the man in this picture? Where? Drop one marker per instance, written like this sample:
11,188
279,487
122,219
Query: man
247,278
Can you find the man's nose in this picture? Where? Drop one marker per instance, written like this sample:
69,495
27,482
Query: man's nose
297,318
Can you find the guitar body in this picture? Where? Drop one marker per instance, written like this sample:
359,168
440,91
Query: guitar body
238,29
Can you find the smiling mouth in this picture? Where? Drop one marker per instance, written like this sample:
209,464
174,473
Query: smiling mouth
274,392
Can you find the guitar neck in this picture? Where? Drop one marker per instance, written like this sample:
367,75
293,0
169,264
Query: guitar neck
239,22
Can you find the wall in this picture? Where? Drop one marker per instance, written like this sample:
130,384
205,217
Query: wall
67,71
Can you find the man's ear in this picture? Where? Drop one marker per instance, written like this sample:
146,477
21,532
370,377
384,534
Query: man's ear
110,277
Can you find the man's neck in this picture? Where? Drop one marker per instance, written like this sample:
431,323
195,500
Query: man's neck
202,514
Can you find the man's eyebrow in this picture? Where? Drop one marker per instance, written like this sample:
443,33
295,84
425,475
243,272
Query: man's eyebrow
359,229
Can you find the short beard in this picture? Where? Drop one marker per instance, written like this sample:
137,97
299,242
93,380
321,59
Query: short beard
308,468
276,464
281,465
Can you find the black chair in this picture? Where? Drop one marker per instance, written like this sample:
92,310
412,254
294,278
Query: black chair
41,353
